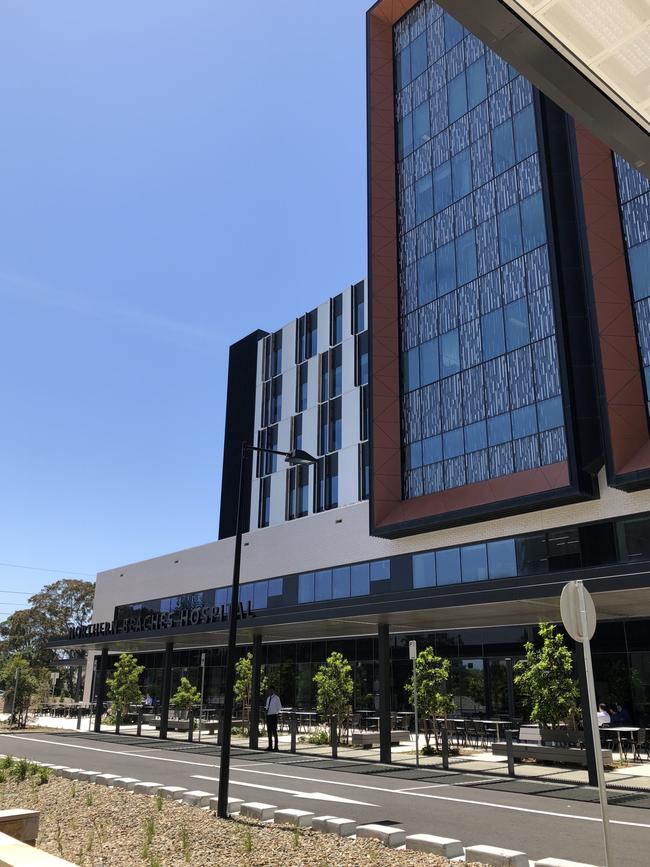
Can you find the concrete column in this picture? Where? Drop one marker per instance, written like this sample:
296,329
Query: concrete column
100,691
254,721
487,687
384,692
166,688
510,680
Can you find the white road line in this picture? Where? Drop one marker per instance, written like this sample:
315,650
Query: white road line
414,794
417,788
309,796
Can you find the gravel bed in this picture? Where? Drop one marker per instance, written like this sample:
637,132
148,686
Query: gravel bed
94,826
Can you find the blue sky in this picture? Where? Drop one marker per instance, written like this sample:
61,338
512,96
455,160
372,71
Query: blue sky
173,175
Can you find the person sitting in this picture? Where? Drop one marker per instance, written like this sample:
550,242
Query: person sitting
620,715
604,719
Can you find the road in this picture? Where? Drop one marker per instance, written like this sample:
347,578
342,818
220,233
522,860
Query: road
470,808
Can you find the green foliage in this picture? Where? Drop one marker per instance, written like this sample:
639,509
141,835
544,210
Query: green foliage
20,770
334,686
320,737
7,762
158,800
545,678
20,690
27,632
433,700
43,775
123,684
244,682
186,696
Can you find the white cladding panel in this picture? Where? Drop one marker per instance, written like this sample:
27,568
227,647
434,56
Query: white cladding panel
350,418
289,392
349,475
278,492
347,352
288,346
313,381
323,327
310,430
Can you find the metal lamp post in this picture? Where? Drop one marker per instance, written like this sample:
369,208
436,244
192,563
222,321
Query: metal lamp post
296,457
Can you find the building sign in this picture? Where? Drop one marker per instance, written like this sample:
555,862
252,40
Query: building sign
203,615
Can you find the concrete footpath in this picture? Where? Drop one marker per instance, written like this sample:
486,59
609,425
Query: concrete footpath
540,817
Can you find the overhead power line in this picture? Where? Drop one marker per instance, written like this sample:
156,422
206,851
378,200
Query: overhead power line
38,569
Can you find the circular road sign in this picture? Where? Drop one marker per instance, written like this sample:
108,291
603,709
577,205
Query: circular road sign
570,611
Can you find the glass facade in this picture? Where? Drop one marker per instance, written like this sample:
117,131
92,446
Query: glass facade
634,198
480,374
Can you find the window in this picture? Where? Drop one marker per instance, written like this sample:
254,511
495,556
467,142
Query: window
457,97
276,586
421,124
448,566
306,336
267,439
635,535
276,353
466,257
296,432
532,554
276,400
323,428
475,436
266,358
335,436
423,198
503,147
452,443
403,68
306,588
502,562
359,580
265,502
413,456
411,369
361,352
322,585
405,136
358,308
341,582
510,240
453,32
424,570
524,421
380,570
449,353
260,594
525,133
364,470
474,563
266,403
327,483
302,387
564,549
442,192
418,55
517,330
446,267
499,429
426,279
429,367
297,492
365,412
331,372
461,173
476,82
431,450
336,320
533,222
324,376
550,414
639,258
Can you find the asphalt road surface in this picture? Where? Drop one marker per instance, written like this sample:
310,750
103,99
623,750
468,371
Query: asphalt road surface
560,822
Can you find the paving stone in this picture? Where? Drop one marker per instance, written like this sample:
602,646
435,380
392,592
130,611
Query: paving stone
197,797
69,773
125,783
559,862
444,846
87,776
495,857
297,818
387,834
172,793
106,779
147,788
258,810
319,823
234,805
338,826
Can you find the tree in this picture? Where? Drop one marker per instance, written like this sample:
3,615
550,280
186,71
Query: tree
63,603
244,682
545,678
123,684
334,687
433,700
186,696
22,682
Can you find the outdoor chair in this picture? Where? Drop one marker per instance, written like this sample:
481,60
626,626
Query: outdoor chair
640,743
471,733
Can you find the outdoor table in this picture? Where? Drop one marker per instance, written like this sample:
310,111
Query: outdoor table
497,723
621,730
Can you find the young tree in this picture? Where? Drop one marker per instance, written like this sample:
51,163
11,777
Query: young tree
334,687
21,683
545,678
244,683
186,696
123,684
433,700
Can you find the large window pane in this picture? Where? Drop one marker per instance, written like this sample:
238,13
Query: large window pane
636,538
359,580
457,97
453,32
426,278
442,191
405,136
411,369
341,582
550,413
474,563
452,443
431,450
429,369
380,570
533,222
475,436
510,241
525,133
461,172
492,334
517,330
449,353
532,554
446,268
448,566
423,198
499,430
403,67
323,584
524,421
503,147
306,587
476,82
639,257
418,55
424,570
502,562
421,124
466,257
260,594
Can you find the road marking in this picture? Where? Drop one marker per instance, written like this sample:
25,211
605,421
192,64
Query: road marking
417,788
413,794
308,796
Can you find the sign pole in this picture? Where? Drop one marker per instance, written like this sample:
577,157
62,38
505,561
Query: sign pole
202,688
413,650
591,713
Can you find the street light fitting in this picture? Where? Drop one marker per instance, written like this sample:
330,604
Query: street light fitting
300,458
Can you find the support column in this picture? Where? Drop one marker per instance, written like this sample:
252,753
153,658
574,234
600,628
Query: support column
487,687
384,692
254,720
579,661
166,688
100,691
510,682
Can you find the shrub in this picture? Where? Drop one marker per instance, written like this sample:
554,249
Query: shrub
21,769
